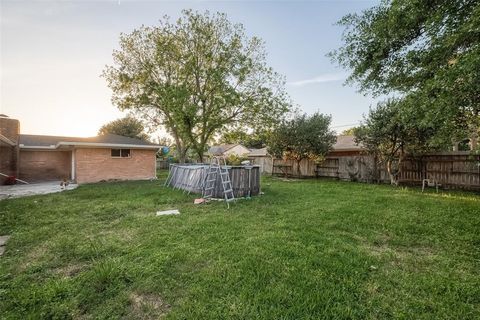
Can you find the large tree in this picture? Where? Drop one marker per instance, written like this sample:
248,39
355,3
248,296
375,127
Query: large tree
302,137
127,126
427,52
196,77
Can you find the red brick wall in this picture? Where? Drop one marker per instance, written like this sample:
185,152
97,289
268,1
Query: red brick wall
44,165
93,165
10,128
8,163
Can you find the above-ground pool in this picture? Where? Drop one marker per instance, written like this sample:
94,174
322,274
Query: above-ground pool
245,179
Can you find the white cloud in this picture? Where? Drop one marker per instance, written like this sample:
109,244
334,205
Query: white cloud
326,77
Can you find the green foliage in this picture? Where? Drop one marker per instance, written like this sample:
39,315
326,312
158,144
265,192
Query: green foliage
389,133
127,127
235,160
311,249
349,132
196,77
427,53
254,140
303,137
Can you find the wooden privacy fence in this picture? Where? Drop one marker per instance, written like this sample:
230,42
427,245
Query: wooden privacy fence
264,163
455,170
450,169
162,164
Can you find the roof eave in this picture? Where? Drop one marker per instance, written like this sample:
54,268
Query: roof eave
109,145
231,147
93,145
347,149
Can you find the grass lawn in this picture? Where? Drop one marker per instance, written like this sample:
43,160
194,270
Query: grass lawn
305,250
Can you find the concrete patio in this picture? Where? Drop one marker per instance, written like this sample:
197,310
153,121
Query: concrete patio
25,190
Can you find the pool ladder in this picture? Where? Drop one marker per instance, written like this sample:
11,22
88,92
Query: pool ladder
218,166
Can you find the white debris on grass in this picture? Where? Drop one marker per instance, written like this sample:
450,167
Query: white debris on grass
167,212
3,242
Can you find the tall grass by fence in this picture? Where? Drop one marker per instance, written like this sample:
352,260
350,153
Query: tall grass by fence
452,169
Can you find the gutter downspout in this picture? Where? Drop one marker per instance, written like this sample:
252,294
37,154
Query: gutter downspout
73,165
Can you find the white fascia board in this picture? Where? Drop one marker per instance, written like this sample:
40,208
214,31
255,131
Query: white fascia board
50,147
108,145
93,145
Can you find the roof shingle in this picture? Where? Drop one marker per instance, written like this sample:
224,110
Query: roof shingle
29,140
346,143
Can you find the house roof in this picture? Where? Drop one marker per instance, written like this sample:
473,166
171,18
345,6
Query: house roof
222,148
226,147
346,143
107,140
262,152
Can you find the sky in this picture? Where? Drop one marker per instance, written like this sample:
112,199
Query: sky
52,55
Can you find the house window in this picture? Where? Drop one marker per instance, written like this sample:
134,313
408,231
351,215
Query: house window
120,153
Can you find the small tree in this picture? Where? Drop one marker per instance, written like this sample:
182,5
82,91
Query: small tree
127,127
389,133
303,137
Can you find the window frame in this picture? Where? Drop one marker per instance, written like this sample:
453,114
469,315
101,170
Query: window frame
120,156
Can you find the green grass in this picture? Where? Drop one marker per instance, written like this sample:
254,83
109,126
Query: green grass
307,249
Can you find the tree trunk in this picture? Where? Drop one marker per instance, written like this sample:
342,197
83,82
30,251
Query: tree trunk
180,148
200,156
182,155
390,174
393,177
376,172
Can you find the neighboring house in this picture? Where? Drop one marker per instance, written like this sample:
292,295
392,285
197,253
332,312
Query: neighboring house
35,158
229,149
345,146
261,158
262,152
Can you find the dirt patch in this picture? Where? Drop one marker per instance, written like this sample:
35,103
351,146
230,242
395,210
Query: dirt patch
70,270
379,246
382,247
148,306
119,235
34,256
409,258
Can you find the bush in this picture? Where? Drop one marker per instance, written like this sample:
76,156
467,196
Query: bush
235,160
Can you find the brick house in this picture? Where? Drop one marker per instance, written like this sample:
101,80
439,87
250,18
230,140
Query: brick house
36,158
